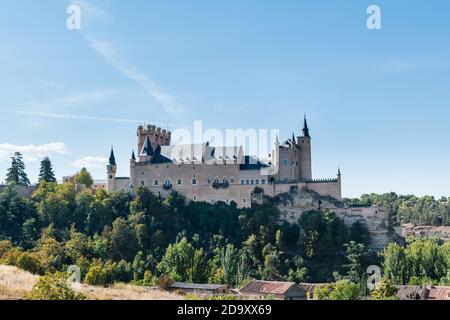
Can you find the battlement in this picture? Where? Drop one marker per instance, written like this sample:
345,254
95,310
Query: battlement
319,181
156,135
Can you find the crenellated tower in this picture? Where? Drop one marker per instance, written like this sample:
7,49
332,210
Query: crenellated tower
155,135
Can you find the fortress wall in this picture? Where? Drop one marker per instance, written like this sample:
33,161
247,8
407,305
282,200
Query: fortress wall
24,191
332,189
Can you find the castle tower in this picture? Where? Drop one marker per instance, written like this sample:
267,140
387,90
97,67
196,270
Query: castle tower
305,164
111,170
155,135
132,170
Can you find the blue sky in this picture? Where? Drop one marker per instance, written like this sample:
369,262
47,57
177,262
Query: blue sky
378,101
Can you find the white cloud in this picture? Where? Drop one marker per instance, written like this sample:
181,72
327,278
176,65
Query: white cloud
90,162
33,153
107,50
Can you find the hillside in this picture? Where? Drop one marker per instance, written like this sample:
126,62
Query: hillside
16,283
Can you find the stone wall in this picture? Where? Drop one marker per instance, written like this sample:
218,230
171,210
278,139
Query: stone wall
24,191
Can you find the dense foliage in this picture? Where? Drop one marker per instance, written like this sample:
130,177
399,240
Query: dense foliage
409,209
114,237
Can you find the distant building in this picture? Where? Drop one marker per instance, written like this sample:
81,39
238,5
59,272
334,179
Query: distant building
202,172
256,289
207,289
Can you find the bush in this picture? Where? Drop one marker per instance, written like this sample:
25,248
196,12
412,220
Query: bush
191,296
97,275
341,290
165,281
29,262
53,287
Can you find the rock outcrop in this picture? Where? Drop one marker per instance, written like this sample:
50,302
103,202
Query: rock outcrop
294,203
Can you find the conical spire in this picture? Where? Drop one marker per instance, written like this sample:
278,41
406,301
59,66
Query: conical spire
133,157
305,128
339,171
112,158
147,149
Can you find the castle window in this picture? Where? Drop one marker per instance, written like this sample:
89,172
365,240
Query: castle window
109,177
253,182
193,168
263,181
257,181
156,183
244,200
195,198
142,183
247,182
242,181
216,180
232,180
285,162
194,181
228,201
225,180
212,200
179,182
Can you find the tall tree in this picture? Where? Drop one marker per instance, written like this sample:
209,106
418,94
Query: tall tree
16,173
46,173
84,177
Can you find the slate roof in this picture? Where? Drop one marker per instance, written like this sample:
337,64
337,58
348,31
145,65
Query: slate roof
252,163
197,286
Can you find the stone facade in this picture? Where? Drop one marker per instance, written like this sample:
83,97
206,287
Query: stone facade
202,172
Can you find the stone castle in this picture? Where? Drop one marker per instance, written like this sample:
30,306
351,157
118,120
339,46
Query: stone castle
202,172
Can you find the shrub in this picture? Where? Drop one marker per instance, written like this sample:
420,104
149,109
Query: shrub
29,262
53,287
341,290
165,281
191,296
97,275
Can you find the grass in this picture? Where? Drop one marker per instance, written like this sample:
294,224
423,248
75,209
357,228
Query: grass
16,283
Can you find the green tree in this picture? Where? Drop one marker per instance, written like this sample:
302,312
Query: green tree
46,173
341,290
84,177
16,173
124,244
385,291
183,262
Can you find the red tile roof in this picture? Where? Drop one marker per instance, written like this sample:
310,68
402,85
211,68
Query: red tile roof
267,287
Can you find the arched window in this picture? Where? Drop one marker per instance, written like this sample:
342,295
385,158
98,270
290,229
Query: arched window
216,180
167,181
225,180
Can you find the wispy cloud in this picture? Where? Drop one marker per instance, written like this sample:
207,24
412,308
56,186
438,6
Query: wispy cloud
93,11
33,153
75,99
90,163
74,116
110,53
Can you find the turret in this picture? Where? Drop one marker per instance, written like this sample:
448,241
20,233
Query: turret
305,163
111,170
